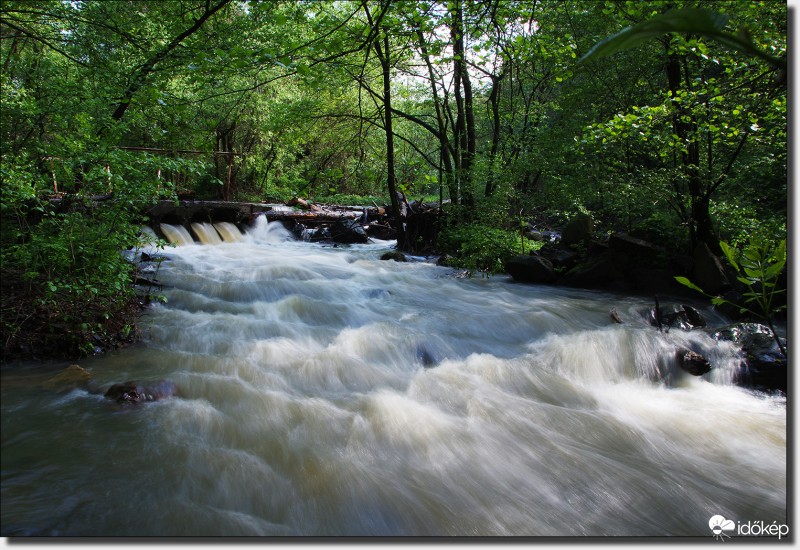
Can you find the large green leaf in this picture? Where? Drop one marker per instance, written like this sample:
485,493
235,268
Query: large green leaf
691,20
688,20
686,282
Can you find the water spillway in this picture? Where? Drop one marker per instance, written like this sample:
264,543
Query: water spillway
322,391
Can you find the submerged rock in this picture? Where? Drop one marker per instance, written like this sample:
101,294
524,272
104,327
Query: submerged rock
427,357
140,392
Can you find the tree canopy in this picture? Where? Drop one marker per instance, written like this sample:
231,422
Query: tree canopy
493,106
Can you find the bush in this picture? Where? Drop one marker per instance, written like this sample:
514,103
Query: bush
482,248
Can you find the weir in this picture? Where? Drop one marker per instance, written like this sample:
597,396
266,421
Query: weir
322,391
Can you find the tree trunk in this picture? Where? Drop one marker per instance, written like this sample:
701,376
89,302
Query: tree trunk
445,148
465,122
383,57
701,227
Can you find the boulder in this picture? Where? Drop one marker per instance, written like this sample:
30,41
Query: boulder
427,357
675,316
139,392
598,273
348,232
578,230
692,362
634,250
763,364
559,256
531,269
397,256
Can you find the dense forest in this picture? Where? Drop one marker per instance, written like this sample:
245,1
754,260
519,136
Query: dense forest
491,109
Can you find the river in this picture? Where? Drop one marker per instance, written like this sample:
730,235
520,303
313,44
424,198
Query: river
326,392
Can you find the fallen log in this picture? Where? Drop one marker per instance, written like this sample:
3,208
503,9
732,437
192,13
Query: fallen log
319,216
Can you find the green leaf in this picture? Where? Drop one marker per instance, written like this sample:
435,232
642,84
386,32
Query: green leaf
690,20
686,282
730,254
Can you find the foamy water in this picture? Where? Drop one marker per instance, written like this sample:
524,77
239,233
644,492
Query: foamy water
326,392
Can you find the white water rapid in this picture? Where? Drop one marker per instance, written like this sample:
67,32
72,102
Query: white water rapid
325,392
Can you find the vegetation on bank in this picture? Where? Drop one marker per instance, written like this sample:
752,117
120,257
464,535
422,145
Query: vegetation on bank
486,105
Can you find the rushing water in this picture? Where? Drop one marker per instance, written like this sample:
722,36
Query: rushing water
326,392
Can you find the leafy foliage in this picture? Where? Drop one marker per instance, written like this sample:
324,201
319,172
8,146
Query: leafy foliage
514,111
758,267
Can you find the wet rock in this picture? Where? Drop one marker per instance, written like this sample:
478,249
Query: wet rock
597,273
692,362
679,316
531,269
763,364
635,250
615,316
348,232
140,392
74,376
561,257
397,256
427,357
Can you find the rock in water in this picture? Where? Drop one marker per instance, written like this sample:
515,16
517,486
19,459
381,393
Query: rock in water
692,362
396,255
764,366
140,392
531,269
348,232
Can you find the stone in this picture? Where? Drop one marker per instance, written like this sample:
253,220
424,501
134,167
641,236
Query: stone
675,316
764,366
427,357
634,250
598,273
140,392
559,256
692,362
348,232
531,269
397,256
578,230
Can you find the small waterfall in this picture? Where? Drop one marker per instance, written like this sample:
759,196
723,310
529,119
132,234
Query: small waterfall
147,235
176,234
265,232
229,232
206,233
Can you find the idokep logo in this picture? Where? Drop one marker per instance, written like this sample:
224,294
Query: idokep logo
719,526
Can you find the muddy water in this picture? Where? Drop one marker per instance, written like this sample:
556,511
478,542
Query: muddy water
325,392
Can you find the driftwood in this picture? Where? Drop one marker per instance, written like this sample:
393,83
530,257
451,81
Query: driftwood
320,215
